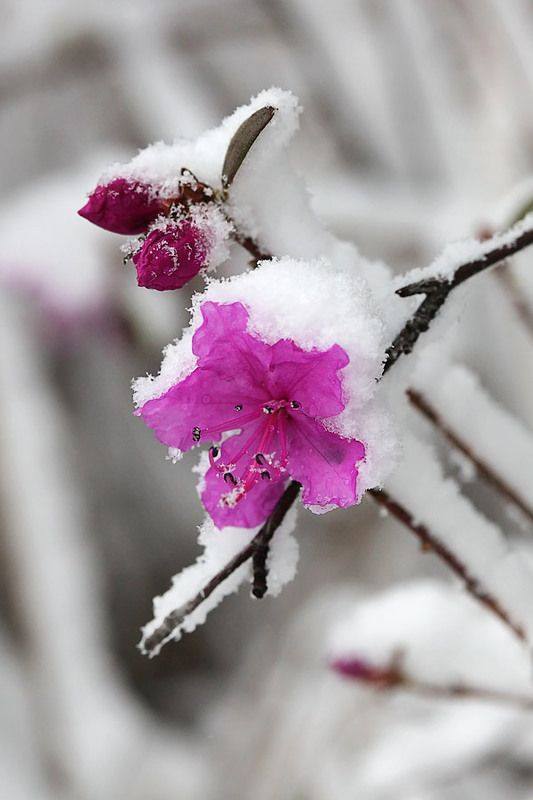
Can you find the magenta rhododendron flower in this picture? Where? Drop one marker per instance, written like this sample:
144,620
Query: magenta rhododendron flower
171,255
123,206
262,407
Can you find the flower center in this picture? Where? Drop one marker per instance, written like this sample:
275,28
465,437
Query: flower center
265,448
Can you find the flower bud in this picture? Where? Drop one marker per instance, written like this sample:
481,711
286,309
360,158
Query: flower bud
122,206
361,670
171,256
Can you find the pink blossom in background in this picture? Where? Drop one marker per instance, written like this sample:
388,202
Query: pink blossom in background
357,669
123,206
271,400
171,255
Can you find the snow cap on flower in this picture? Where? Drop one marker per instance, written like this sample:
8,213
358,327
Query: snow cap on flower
288,356
122,206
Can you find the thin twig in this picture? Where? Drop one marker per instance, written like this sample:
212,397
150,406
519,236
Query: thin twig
152,644
393,677
430,542
467,692
436,291
487,472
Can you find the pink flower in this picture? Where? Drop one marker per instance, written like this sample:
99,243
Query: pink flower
123,206
271,401
171,256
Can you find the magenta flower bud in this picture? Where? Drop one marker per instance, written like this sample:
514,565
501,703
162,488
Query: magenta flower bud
122,206
360,670
171,256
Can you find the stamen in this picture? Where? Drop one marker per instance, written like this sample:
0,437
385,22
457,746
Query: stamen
282,439
214,452
265,475
238,407
294,404
261,460
232,424
229,477
196,433
268,410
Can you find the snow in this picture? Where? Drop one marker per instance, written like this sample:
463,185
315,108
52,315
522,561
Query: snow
219,549
471,647
160,164
465,251
445,638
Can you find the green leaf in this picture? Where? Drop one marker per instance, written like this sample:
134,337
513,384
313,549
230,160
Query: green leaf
241,142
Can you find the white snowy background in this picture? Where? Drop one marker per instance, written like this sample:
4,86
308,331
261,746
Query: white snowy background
417,130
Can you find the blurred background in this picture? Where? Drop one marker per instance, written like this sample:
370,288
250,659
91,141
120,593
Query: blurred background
417,123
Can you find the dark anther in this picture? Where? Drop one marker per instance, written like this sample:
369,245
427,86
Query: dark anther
215,451
126,259
259,457
265,475
229,477
238,407
196,434
268,410
295,404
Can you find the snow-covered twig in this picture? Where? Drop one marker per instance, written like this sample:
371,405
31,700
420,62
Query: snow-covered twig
430,543
257,550
422,404
439,279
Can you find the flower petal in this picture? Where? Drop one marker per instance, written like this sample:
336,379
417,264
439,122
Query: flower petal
309,377
233,356
199,401
255,506
122,206
323,462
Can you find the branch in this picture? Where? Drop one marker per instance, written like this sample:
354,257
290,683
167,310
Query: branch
487,472
394,677
257,547
430,543
436,290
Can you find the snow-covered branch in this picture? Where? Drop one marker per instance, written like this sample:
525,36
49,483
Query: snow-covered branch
256,550
437,290
457,264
